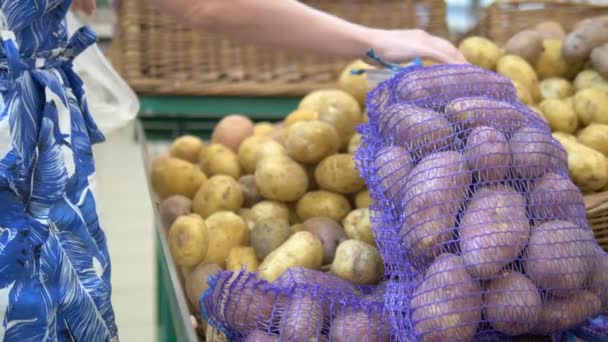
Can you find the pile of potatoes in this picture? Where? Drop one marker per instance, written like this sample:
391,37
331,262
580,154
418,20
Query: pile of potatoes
270,197
564,77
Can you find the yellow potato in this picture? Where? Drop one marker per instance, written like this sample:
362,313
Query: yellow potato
323,203
480,51
299,115
356,85
551,63
591,106
555,87
242,257
596,137
301,249
338,173
562,135
269,149
590,79
187,147
226,230
517,69
362,199
354,143
189,240
220,160
359,262
311,141
263,128
267,235
281,179
523,93
560,114
219,193
270,210
173,176
587,167
336,107
357,225
248,151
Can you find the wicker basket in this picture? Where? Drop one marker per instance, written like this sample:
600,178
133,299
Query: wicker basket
503,18
160,56
597,214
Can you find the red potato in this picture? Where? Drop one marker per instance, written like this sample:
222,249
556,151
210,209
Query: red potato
421,131
559,257
493,231
488,153
436,190
231,131
447,304
329,232
512,303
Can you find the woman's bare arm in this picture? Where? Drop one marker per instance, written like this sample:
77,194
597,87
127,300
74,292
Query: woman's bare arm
289,24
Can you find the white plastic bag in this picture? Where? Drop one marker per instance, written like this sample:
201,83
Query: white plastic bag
112,103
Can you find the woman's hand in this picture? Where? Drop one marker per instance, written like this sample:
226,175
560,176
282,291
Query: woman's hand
87,6
400,46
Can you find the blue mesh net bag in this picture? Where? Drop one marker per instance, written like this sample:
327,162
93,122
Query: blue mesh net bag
301,305
483,234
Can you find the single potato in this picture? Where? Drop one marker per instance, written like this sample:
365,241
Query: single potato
220,160
561,115
329,232
480,51
247,153
189,240
242,257
173,176
281,179
338,173
358,226
595,136
311,141
267,235
323,203
591,106
301,249
359,262
217,194
187,147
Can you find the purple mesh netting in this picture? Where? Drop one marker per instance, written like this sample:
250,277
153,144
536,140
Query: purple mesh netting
483,234
301,305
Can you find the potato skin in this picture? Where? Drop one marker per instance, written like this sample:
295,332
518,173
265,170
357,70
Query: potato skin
436,190
535,152
513,304
563,314
338,173
493,231
270,210
188,240
421,131
586,36
446,306
595,136
251,194
555,197
187,147
363,199
591,106
480,51
560,114
551,30
561,271
323,203
555,88
551,63
269,149
173,207
518,69
599,59
174,176
357,225
360,324
220,160
329,232
267,235
281,179
527,44
392,166
301,249
358,262
587,167
226,230
356,85
488,154
302,320
242,257
311,141
248,151
470,112
217,194
196,281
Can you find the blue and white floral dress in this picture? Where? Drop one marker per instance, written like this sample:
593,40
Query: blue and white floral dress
54,262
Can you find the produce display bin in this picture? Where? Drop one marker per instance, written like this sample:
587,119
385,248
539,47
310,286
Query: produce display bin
161,56
503,18
162,119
